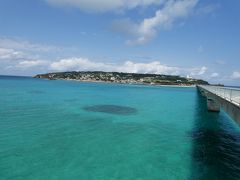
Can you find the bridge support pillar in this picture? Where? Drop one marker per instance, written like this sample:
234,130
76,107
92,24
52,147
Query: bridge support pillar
202,93
212,104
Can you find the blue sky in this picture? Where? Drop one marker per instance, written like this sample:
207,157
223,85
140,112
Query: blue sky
197,38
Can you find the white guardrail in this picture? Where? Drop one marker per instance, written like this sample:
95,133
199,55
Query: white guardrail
230,94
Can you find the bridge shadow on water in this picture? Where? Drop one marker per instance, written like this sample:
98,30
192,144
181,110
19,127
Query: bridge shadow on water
216,145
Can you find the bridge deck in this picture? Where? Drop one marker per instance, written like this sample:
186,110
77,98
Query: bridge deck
229,94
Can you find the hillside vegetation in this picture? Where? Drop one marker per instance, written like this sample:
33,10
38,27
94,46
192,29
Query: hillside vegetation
116,77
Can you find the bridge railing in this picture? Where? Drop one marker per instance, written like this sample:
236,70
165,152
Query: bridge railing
230,94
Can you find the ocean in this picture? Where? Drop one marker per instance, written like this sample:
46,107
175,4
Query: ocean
95,131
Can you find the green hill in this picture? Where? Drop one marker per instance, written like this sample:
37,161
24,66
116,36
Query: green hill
117,77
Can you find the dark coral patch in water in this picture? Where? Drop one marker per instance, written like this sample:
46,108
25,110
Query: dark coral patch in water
36,92
111,109
71,100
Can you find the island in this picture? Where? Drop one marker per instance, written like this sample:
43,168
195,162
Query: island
123,78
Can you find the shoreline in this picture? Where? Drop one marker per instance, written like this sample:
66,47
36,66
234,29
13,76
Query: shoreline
140,84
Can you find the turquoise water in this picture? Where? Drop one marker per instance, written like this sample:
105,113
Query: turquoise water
72,130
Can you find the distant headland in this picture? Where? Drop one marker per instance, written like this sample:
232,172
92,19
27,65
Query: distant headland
124,78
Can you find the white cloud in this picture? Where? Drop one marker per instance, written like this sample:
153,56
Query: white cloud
198,71
81,64
164,18
13,60
235,75
155,67
214,75
32,63
14,43
19,58
142,32
103,5
25,67
78,64
202,70
17,62
7,54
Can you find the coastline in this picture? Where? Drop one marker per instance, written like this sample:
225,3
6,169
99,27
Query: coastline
140,84
124,78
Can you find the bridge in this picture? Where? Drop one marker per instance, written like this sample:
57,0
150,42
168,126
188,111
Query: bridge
224,98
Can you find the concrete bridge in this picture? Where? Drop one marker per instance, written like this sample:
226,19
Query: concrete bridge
224,98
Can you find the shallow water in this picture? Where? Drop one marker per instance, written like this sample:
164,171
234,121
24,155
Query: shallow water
72,130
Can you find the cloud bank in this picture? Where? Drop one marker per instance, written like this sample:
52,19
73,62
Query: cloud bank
82,64
17,61
155,67
6,53
13,43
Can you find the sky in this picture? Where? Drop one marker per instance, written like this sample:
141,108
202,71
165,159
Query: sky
190,38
